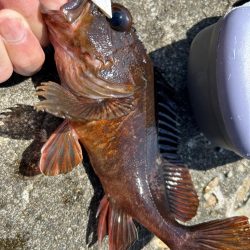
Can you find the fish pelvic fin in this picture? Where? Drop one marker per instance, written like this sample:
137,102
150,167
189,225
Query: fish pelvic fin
118,225
62,152
229,234
62,103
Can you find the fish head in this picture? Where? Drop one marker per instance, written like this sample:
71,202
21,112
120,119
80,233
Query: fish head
109,48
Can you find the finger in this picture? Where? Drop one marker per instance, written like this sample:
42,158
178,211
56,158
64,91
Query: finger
6,68
30,10
21,44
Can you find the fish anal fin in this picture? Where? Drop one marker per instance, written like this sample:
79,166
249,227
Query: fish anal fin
118,225
232,233
182,197
62,152
62,103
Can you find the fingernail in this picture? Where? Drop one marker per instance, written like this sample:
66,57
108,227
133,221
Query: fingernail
12,30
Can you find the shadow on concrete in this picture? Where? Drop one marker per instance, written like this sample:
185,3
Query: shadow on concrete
240,2
24,123
48,71
13,80
19,242
91,233
194,149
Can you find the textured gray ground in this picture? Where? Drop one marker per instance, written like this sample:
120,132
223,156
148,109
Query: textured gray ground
58,212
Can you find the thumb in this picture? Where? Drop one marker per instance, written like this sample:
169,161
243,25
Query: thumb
24,52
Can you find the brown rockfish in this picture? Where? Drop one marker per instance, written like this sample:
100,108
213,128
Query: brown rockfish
107,99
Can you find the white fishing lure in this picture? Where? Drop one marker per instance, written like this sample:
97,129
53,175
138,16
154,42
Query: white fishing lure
105,6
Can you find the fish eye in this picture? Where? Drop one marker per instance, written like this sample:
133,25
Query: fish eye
121,18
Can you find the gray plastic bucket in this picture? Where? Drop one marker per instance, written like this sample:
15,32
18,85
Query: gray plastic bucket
219,80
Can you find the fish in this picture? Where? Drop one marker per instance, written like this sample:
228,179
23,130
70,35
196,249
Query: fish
106,97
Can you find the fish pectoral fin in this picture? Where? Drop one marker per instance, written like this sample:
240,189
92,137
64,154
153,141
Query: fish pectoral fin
118,225
183,200
62,152
62,103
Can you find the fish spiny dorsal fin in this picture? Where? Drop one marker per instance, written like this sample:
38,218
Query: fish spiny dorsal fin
182,197
118,225
166,119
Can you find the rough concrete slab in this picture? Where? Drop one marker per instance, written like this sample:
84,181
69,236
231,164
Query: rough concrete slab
59,212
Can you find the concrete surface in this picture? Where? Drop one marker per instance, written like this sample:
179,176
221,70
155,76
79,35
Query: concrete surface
59,212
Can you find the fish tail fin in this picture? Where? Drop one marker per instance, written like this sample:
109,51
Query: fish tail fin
118,225
229,234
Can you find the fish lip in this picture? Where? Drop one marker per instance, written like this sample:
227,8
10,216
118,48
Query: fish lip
69,5
60,22
71,12
74,9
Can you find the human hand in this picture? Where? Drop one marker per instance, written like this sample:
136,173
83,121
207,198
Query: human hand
23,34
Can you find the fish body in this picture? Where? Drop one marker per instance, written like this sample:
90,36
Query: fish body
107,99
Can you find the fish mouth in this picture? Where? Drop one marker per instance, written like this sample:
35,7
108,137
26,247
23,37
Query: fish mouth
73,9
63,22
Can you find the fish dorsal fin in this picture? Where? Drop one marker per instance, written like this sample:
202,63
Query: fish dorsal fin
118,225
166,119
62,152
182,197
62,103
168,133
